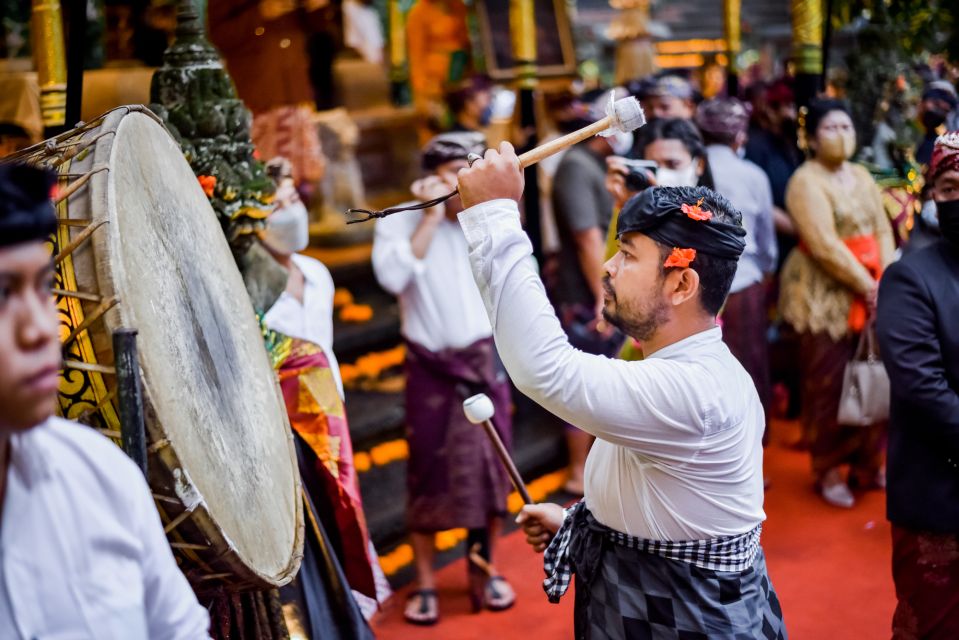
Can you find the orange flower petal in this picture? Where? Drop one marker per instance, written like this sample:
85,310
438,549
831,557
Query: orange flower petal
208,183
696,212
680,258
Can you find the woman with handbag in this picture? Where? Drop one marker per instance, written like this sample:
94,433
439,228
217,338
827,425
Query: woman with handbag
828,291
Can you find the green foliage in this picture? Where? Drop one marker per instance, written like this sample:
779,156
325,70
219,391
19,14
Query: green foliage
921,26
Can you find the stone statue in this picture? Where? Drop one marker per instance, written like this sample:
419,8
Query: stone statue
195,96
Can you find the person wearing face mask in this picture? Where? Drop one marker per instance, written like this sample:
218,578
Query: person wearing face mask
938,100
677,147
471,105
828,288
454,478
723,122
304,313
916,322
305,309
583,209
678,150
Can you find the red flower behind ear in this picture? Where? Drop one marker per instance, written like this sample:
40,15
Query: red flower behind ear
696,212
680,258
55,192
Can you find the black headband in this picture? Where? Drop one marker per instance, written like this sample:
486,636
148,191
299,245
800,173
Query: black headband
26,213
685,217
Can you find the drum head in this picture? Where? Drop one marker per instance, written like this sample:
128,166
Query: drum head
208,384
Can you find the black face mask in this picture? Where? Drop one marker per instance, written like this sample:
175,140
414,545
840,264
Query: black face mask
933,119
949,220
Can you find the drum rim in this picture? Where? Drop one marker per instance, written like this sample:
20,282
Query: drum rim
100,196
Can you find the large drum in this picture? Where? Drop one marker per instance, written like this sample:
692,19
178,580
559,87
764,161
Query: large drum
139,246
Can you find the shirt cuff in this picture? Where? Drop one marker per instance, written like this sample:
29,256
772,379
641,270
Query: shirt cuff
478,220
404,253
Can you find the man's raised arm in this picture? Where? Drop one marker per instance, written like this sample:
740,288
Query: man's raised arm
614,400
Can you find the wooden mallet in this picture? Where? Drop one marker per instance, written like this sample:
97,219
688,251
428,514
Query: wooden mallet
623,115
479,410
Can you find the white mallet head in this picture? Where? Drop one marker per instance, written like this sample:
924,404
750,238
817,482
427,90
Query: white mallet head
626,114
479,408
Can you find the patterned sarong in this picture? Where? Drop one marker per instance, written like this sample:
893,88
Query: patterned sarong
317,415
454,478
628,587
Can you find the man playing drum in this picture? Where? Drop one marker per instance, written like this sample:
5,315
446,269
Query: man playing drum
82,550
666,540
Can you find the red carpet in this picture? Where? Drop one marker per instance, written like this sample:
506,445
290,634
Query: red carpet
830,567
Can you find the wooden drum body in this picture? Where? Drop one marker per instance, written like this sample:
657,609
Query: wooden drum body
139,246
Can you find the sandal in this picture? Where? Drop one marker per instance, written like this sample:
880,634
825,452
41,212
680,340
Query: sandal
429,601
495,599
484,581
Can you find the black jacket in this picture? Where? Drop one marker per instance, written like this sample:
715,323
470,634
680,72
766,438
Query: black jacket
918,328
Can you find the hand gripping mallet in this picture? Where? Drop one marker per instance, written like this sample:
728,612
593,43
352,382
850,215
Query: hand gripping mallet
479,410
623,115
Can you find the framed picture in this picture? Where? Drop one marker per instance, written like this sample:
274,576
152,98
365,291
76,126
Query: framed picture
555,54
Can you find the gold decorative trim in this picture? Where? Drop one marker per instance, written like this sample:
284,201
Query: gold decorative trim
83,393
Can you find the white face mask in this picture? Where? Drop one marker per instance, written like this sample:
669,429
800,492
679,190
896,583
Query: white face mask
621,142
687,177
930,215
288,229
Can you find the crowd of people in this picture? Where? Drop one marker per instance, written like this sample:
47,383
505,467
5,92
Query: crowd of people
818,239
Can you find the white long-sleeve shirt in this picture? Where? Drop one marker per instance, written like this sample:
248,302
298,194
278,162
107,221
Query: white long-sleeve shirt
82,550
678,454
440,307
313,319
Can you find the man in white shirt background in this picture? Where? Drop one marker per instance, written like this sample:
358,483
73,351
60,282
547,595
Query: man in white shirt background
666,540
453,476
82,550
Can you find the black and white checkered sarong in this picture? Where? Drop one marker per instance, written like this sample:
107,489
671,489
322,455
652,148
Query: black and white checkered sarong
628,587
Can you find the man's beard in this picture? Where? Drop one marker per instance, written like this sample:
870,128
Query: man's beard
639,325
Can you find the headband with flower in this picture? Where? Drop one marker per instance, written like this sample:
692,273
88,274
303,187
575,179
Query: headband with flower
685,218
683,257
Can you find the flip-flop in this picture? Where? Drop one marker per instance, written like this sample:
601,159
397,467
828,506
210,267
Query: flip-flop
425,596
491,593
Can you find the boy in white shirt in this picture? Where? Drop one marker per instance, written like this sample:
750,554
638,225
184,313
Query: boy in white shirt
82,550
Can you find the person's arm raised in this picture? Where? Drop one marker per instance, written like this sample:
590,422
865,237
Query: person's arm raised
633,404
